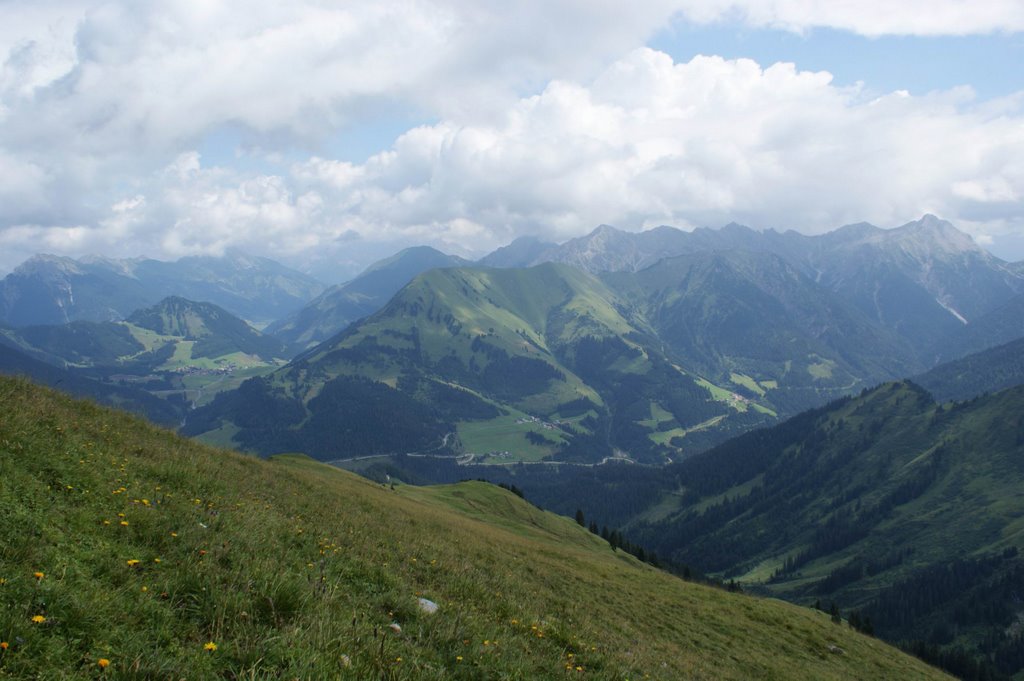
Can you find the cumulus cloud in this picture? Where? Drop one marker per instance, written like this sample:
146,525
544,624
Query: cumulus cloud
109,77
540,125
647,142
869,18
650,141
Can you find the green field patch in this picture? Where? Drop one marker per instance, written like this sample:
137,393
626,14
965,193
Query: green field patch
639,364
658,415
747,382
822,369
763,409
503,439
664,437
202,387
558,392
151,340
734,400
720,394
182,357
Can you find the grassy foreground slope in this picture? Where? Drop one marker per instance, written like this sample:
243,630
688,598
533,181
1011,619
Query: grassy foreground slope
123,543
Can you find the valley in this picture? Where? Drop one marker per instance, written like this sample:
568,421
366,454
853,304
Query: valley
744,415
503,341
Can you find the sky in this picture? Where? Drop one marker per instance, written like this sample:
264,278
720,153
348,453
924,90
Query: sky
327,135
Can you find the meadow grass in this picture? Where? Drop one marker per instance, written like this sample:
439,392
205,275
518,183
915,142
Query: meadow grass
169,559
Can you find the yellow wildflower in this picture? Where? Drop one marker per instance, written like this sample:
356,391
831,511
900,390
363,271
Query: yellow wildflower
133,562
210,646
38,619
4,645
38,575
103,663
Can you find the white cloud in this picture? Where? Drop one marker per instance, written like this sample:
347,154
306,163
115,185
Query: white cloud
647,142
120,76
540,124
877,18
651,142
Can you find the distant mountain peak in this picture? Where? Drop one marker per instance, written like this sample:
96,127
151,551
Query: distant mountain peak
857,231
48,262
523,251
936,235
51,289
605,230
427,255
737,229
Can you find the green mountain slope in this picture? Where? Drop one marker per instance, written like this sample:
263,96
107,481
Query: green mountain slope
126,546
13,362
339,306
77,343
553,362
511,364
925,281
755,321
215,331
987,371
177,349
654,359
209,330
888,502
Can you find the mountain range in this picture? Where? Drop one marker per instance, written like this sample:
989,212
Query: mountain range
894,501
48,289
923,280
540,361
340,305
179,350
659,357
